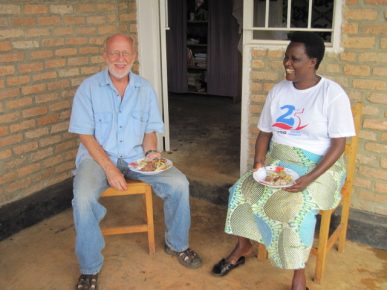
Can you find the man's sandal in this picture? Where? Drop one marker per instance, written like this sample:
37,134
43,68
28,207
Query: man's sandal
87,282
188,258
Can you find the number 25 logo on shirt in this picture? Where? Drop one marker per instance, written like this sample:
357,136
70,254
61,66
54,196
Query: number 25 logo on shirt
290,120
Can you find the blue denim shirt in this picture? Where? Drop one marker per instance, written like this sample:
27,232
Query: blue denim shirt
118,125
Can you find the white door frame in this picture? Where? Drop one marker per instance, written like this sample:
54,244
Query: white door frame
151,25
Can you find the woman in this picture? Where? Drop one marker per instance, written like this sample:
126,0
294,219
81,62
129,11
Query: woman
303,126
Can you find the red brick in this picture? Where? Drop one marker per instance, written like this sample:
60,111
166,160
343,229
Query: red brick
41,154
18,80
375,124
48,119
8,177
4,154
65,52
25,148
28,169
46,98
10,140
26,124
34,89
90,50
38,32
37,133
66,145
44,76
61,127
30,67
33,112
43,142
52,42
41,54
19,103
61,84
376,2
4,130
17,185
23,21
9,118
376,147
87,30
74,20
49,20
7,70
60,106
62,9
5,45
63,31
55,63
35,9
369,84
77,61
65,167
378,98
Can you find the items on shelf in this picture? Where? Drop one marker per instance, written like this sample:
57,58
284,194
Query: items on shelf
196,81
200,60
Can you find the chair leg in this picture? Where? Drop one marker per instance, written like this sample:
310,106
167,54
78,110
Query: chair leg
343,224
149,219
262,253
322,249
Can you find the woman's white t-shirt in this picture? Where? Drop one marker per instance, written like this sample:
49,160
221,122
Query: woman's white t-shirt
308,118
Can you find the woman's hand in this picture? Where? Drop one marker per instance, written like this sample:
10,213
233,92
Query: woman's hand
258,165
300,184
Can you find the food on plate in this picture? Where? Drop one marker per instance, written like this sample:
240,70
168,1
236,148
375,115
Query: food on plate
157,164
278,177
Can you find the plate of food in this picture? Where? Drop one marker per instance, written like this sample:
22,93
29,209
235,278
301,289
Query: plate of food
275,176
150,167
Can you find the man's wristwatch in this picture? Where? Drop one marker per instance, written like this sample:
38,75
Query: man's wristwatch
150,151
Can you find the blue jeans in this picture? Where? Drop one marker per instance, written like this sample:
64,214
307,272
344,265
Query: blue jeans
90,180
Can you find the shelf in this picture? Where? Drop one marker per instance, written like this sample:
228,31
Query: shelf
197,45
196,67
197,22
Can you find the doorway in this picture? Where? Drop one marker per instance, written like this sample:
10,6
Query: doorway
204,125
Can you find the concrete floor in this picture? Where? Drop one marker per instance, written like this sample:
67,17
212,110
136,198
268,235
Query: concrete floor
42,257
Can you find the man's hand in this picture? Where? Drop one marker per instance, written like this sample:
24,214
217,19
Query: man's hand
153,155
116,179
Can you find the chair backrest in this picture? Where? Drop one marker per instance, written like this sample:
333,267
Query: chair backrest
352,146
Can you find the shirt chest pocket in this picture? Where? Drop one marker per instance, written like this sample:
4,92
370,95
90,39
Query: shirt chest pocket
103,125
138,121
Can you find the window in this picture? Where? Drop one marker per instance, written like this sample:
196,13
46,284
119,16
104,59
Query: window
269,21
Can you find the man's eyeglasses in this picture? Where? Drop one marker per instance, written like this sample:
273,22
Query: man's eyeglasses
116,54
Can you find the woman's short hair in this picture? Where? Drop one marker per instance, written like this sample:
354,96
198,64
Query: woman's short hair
314,44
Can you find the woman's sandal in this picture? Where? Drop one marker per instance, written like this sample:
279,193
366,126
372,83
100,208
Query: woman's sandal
223,267
87,282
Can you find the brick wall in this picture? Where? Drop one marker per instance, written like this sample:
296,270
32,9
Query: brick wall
362,70
47,48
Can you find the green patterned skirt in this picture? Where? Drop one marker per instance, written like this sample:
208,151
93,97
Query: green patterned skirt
284,222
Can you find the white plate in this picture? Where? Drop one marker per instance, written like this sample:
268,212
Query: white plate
133,166
262,172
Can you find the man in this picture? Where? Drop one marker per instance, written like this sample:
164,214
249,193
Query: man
116,116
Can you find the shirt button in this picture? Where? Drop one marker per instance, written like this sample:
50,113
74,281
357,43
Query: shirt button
121,141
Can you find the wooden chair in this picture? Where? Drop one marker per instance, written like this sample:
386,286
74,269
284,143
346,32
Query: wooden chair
325,240
135,187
